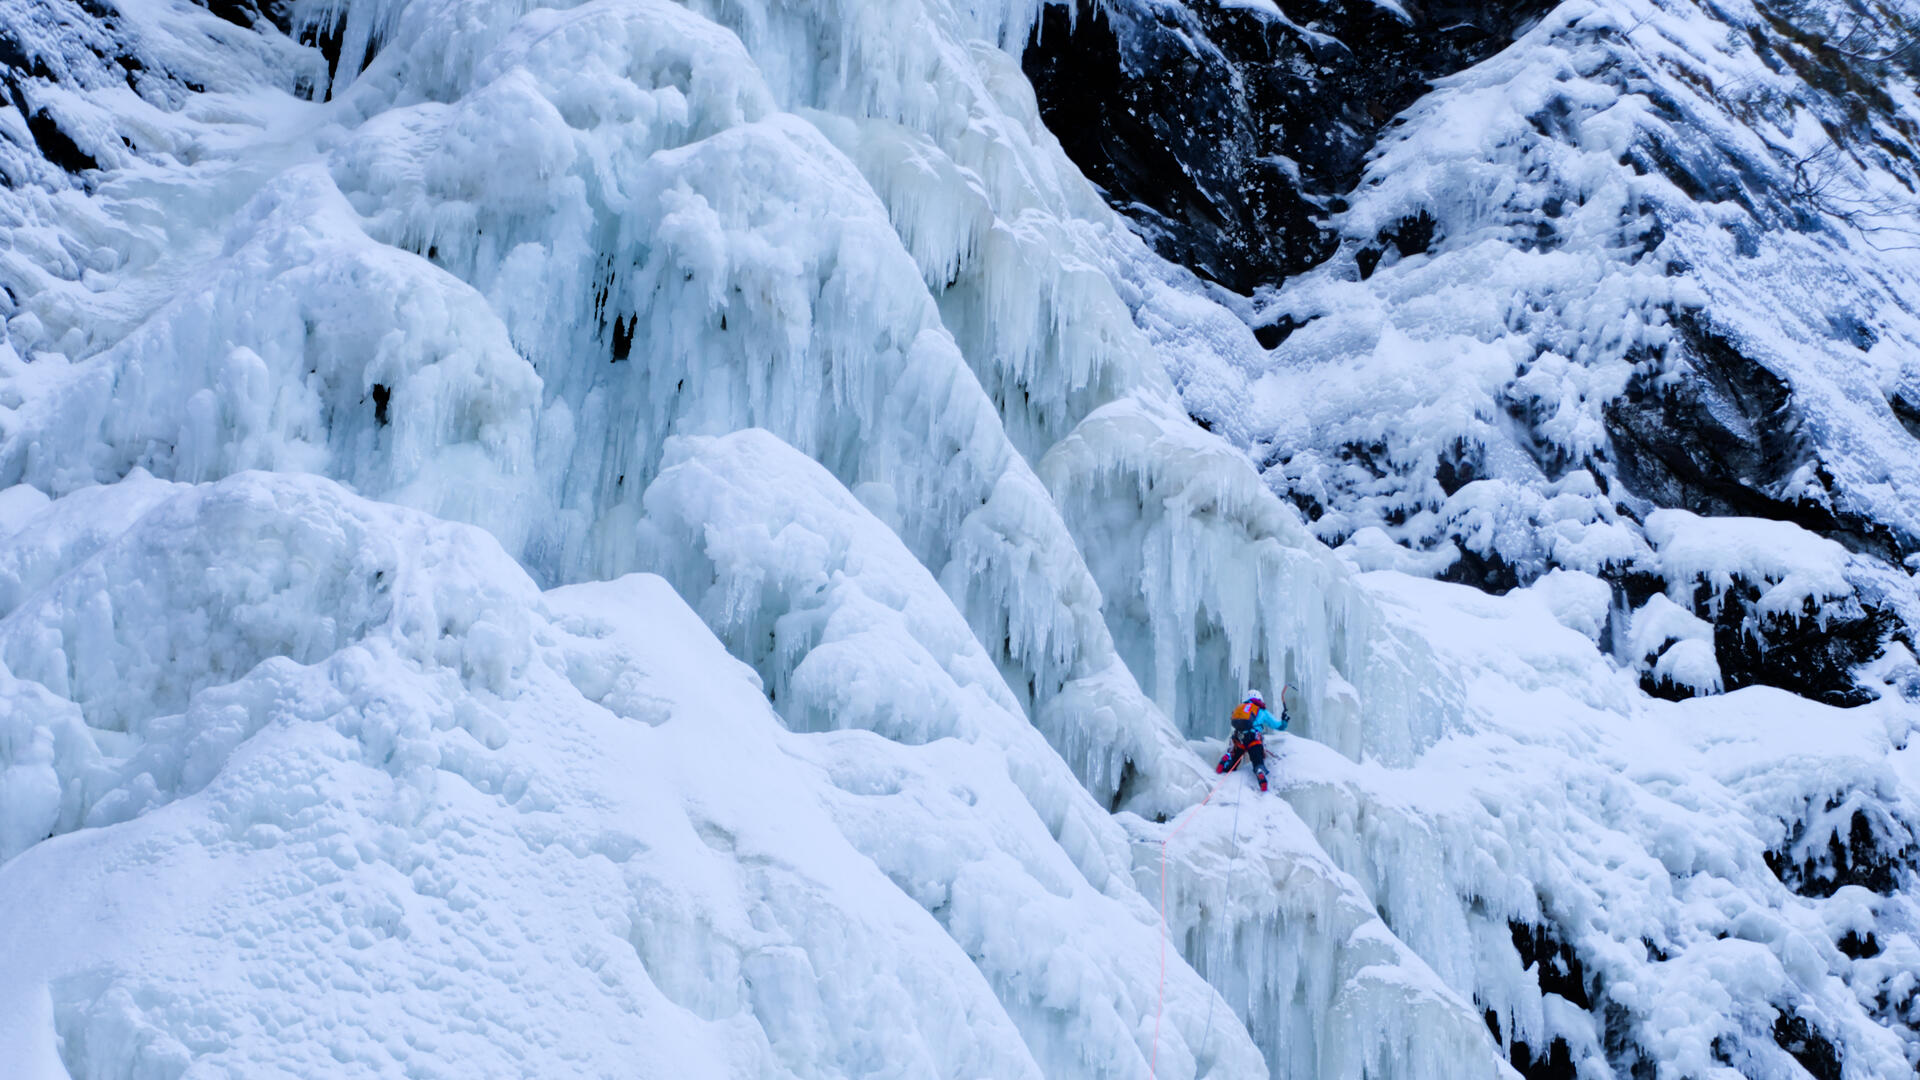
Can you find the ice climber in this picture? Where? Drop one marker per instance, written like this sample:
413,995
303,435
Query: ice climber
1251,721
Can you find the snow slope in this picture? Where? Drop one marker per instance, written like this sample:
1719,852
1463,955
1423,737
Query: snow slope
349,410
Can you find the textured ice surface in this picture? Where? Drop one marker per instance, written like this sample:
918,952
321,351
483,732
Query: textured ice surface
305,400
400,811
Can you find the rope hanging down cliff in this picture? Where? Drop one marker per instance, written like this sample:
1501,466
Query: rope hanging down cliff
1153,1063
1229,763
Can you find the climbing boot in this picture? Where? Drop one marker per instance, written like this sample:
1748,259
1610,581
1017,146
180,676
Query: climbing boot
1263,779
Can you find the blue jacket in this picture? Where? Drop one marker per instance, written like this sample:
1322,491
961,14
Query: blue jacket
1263,721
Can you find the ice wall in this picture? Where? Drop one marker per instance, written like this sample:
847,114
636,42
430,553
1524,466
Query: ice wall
1296,947
693,224
850,633
676,256
801,308
1216,586
658,235
369,754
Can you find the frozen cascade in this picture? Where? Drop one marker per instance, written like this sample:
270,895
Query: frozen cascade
1213,584
434,770
440,413
994,229
1279,931
845,628
691,226
438,384
1297,949
972,494
849,631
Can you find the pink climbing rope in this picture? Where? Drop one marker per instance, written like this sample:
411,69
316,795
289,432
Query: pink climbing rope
1153,1062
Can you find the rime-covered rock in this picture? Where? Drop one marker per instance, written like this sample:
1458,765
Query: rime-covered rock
1648,255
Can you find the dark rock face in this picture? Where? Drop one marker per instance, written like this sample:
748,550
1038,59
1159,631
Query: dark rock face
1555,1064
53,142
1723,438
1544,951
1559,970
91,45
327,34
1813,653
1857,947
1807,1045
1877,852
1555,964
1228,135
1714,441
49,43
1813,656
87,45
1489,573
1231,139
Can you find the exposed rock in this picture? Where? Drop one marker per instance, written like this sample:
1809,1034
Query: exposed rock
1234,139
55,144
1877,852
1715,434
1718,434
1814,655
1807,1045
1227,135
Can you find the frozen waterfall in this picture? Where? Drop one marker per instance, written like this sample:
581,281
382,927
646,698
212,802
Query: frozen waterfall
667,539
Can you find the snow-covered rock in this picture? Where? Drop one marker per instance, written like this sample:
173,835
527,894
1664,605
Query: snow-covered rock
1648,255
